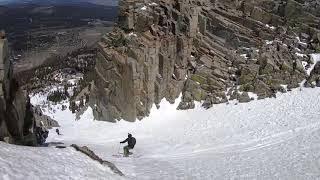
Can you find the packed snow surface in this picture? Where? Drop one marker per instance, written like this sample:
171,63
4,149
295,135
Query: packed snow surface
266,139
30,163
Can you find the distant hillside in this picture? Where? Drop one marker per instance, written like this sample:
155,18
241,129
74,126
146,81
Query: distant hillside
100,2
38,29
21,17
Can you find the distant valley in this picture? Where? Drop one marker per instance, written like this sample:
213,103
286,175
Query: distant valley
39,30
99,2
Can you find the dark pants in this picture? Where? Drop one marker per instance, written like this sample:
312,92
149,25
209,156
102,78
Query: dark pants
126,150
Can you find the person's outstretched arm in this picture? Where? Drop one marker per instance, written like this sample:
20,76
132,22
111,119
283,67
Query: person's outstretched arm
124,141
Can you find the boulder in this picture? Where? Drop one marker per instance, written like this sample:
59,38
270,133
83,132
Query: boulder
186,105
267,64
318,82
43,120
262,89
207,103
194,89
248,73
244,97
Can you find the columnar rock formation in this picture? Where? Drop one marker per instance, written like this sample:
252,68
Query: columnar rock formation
16,117
210,50
9,104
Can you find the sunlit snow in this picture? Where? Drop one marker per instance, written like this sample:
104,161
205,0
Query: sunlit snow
262,139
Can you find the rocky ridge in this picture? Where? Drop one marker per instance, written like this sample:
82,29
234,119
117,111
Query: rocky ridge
18,119
209,50
12,100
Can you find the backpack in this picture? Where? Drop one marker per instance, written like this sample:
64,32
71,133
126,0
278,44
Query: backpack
133,142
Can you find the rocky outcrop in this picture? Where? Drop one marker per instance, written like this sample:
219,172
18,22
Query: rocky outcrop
17,120
42,119
314,78
85,150
211,51
13,101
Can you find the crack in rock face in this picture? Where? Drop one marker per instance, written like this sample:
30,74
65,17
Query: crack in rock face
209,51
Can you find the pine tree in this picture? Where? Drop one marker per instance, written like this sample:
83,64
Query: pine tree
87,98
81,105
65,88
73,107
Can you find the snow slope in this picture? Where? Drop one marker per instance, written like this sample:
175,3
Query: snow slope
29,163
266,139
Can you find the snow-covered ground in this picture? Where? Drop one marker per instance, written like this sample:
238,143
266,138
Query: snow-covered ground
29,163
276,138
266,139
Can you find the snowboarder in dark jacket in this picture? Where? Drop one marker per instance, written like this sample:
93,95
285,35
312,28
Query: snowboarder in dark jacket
131,143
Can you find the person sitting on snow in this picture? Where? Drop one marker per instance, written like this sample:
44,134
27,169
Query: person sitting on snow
131,143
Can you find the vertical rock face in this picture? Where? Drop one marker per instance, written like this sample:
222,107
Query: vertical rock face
140,62
4,84
15,113
211,51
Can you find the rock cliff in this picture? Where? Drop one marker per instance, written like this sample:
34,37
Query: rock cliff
209,50
12,99
17,117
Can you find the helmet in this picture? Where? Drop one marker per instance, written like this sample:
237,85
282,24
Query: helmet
129,135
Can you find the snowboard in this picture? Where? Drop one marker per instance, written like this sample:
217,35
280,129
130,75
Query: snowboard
61,147
120,155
